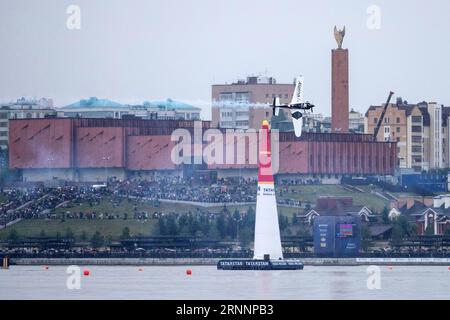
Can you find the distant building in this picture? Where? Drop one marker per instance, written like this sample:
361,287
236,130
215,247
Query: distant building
22,108
336,206
95,108
104,108
420,130
355,122
170,110
431,220
90,150
244,104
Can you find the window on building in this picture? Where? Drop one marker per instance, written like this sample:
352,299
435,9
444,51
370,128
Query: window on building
242,97
375,120
417,159
242,123
267,113
416,149
4,115
3,133
398,120
416,129
286,96
267,95
416,119
416,139
226,96
3,124
386,120
397,129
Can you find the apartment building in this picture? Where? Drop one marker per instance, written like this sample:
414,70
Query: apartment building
244,104
420,131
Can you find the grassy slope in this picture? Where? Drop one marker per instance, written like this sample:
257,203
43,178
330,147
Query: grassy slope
311,192
114,227
32,228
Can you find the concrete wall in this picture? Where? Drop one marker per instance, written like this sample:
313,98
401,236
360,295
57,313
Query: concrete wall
39,175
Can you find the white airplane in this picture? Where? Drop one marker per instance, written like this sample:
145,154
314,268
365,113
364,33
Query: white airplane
296,105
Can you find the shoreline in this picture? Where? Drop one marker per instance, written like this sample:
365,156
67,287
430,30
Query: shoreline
213,261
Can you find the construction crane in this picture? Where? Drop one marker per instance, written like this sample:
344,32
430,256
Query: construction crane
380,121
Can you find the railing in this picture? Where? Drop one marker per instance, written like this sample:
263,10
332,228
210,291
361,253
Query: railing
224,255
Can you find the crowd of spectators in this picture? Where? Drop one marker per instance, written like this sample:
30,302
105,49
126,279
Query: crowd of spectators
222,191
40,202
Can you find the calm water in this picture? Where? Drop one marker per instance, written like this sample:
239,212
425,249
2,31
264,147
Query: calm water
162,282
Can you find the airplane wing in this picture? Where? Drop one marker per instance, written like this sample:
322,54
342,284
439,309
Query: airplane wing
297,121
297,117
276,103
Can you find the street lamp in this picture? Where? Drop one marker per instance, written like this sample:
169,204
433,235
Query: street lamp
106,159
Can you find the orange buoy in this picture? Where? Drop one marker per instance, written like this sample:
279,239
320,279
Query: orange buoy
86,272
140,269
46,267
189,272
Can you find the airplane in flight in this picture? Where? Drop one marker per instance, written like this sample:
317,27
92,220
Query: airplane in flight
296,106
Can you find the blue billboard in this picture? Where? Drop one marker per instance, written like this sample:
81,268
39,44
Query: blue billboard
337,236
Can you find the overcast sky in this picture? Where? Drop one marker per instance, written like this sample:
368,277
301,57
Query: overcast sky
135,50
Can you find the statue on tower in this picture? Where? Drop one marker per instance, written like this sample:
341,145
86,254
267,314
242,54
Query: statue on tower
339,36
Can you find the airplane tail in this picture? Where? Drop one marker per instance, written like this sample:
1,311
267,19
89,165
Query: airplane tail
297,97
276,102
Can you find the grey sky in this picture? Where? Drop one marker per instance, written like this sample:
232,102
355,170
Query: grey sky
136,50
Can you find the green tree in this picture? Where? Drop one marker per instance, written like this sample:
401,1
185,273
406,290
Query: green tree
403,228
108,240
221,226
385,216
83,236
125,233
13,235
97,240
172,227
42,234
366,238
295,220
283,222
69,234
204,224
162,226
397,233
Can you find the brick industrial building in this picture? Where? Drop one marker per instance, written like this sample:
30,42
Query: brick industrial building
88,150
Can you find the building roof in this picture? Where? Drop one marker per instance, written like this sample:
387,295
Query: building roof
169,104
408,108
93,102
378,230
